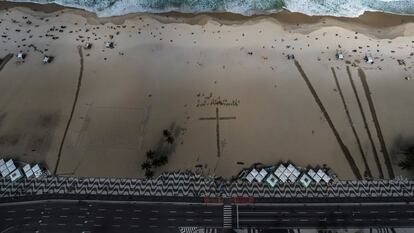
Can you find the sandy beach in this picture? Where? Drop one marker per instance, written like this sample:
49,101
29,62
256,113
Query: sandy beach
95,112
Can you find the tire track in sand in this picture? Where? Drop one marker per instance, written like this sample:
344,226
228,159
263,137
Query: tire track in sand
364,118
4,60
318,101
75,100
351,123
384,150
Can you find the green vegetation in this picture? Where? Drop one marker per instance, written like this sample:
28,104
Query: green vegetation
159,157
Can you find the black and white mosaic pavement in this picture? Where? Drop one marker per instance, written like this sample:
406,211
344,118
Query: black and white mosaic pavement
188,185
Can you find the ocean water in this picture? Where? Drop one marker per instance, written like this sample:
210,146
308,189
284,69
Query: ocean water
348,8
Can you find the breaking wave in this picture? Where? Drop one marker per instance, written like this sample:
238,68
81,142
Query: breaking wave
347,8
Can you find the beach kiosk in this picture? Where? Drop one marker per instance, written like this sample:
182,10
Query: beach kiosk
15,175
368,59
305,180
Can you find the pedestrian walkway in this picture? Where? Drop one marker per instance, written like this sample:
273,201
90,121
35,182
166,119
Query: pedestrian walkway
227,213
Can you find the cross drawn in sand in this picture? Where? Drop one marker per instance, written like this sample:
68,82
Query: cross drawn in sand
217,118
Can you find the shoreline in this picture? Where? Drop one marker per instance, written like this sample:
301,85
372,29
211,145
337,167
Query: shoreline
369,18
377,24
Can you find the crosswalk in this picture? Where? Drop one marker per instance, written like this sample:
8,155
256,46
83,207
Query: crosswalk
227,213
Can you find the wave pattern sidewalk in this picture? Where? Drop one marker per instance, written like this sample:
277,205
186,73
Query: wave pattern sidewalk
188,185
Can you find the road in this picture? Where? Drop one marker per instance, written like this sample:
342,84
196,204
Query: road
110,216
323,215
74,216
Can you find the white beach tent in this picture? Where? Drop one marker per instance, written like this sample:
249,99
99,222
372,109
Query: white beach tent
109,45
368,59
20,56
339,55
46,59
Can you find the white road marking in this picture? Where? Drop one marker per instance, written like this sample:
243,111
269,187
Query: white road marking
153,226
189,212
189,219
153,219
208,220
8,219
28,217
48,208
338,212
79,224
285,220
134,218
99,217
101,209
83,209
43,224
137,210
61,224
80,216
119,210
45,216
63,216
411,219
172,211
304,220
29,210
392,211
97,225
409,211
393,219
207,212
340,220
171,219
320,212
11,211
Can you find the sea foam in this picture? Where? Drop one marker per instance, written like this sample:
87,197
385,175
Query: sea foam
347,8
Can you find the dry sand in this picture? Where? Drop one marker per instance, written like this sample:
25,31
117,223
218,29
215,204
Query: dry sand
166,69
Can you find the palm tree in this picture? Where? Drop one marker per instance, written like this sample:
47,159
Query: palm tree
166,133
408,162
163,160
170,140
149,174
150,154
146,165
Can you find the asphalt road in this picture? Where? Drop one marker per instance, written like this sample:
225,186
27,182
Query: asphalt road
105,216
73,216
324,215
